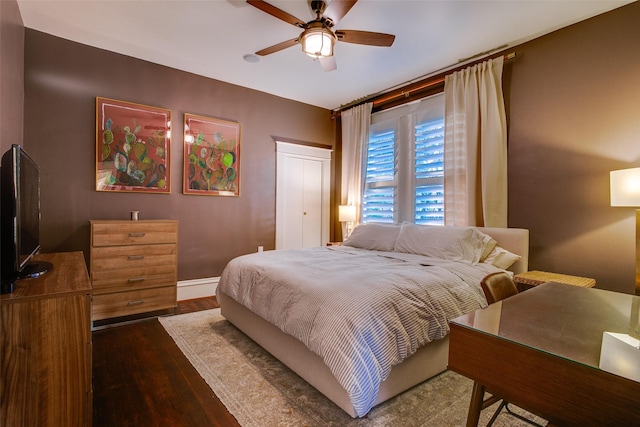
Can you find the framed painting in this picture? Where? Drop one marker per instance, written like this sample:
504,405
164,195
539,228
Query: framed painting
211,156
133,146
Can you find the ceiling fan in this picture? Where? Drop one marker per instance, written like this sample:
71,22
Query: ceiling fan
318,37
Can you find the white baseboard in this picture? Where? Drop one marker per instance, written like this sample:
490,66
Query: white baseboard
197,288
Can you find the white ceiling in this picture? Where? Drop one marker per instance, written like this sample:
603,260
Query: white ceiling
210,38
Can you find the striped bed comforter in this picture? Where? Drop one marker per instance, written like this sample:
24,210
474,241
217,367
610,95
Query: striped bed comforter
361,311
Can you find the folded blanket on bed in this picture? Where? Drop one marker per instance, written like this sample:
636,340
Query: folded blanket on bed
361,311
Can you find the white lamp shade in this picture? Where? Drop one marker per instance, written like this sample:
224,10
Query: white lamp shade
346,213
317,42
625,187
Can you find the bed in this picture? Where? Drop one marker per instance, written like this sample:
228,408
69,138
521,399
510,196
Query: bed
296,304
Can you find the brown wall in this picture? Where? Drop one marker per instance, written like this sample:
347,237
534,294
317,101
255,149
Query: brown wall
62,79
574,115
11,75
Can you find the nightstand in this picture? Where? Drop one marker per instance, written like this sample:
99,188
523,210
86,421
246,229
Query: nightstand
334,243
530,279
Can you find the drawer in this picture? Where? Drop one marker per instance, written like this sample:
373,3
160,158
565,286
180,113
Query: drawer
109,284
132,272
133,233
134,302
137,256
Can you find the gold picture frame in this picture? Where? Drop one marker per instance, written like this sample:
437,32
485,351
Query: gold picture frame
133,147
211,156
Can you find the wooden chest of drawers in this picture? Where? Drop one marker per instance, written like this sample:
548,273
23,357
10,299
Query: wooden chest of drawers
133,267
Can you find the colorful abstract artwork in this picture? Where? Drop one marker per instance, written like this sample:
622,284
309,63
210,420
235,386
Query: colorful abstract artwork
211,156
132,147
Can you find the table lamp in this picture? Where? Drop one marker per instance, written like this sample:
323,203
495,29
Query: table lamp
347,214
620,352
625,192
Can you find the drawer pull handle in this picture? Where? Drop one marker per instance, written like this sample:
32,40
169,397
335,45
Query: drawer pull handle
137,234
135,257
136,302
135,279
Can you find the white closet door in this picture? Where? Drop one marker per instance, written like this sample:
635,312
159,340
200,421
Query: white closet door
293,195
302,205
312,204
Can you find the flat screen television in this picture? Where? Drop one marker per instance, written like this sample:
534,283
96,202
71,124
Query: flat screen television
20,218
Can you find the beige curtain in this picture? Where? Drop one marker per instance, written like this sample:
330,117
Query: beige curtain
475,158
355,139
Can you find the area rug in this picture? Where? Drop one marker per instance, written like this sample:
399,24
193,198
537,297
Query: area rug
259,391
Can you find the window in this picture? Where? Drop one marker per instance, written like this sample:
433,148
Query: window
404,178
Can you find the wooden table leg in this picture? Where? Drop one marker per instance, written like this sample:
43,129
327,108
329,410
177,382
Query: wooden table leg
475,406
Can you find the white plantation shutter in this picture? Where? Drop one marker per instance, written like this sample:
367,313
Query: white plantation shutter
379,193
404,179
429,172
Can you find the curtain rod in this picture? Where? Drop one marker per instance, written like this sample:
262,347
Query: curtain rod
406,90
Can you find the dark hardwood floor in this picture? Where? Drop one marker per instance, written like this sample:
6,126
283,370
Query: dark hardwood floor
141,378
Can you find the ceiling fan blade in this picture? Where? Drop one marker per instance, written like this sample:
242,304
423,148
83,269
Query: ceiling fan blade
277,47
328,63
365,37
278,13
337,9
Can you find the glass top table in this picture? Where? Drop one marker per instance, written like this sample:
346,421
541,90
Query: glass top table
554,334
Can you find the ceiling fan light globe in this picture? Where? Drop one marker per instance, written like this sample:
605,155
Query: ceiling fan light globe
317,42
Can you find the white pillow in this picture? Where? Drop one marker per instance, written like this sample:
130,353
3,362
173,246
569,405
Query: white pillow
490,245
502,258
374,236
464,244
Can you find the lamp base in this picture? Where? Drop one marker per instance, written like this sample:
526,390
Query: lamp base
620,355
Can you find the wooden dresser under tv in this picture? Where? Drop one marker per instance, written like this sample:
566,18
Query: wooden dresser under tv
45,337
133,267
